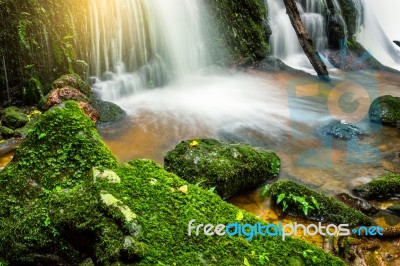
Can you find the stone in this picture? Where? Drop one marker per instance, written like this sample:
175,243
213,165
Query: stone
386,110
14,118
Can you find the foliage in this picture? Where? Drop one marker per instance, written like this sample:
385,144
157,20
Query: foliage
300,201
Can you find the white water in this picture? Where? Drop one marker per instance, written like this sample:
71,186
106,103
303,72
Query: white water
380,27
141,44
284,41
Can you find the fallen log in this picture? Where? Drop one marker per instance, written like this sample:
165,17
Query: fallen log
305,40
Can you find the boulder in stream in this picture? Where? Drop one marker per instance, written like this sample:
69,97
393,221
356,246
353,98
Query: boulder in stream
342,130
386,110
228,168
300,201
384,187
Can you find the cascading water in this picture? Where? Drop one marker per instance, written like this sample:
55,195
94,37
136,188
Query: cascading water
141,44
284,39
379,29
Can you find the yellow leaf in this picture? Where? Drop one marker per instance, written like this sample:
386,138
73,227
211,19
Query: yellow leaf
239,216
194,143
184,189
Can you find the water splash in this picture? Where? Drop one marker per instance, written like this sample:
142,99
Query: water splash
142,44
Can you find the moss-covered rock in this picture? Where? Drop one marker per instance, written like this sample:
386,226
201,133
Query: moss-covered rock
241,29
395,209
383,187
14,118
300,201
109,112
228,168
342,130
65,201
6,132
386,110
74,81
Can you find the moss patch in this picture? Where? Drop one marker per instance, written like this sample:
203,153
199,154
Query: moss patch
66,201
14,118
228,168
386,110
384,187
299,201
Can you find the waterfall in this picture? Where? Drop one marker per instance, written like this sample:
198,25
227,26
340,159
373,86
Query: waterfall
284,42
139,44
380,27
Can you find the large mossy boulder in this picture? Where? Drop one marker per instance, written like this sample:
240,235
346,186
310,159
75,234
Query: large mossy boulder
14,118
228,168
384,187
386,110
66,201
300,201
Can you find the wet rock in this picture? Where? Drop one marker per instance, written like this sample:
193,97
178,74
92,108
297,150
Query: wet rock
89,111
300,201
228,168
384,187
66,93
343,130
109,112
14,118
386,110
395,209
74,81
397,43
6,132
336,30
272,64
9,146
358,204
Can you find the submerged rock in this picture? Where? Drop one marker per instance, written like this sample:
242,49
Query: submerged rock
228,168
300,201
386,110
358,204
14,118
384,187
66,201
343,130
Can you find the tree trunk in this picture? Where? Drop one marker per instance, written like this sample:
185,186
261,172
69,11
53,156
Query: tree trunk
305,40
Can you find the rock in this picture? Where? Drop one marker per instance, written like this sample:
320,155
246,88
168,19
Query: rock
342,130
109,112
60,95
89,111
49,190
228,168
395,209
336,30
397,43
357,203
386,110
14,118
9,145
74,81
106,174
384,187
272,64
6,132
23,131
300,201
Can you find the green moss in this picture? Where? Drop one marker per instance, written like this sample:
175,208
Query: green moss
294,197
14,118
6,132
240,28
386,110
57,208
74,81
59,150
350,16
383,187
228,168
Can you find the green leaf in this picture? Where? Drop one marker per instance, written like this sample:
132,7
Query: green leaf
239,216
42,135
285,205
246,262
58,188
315,202
280,198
